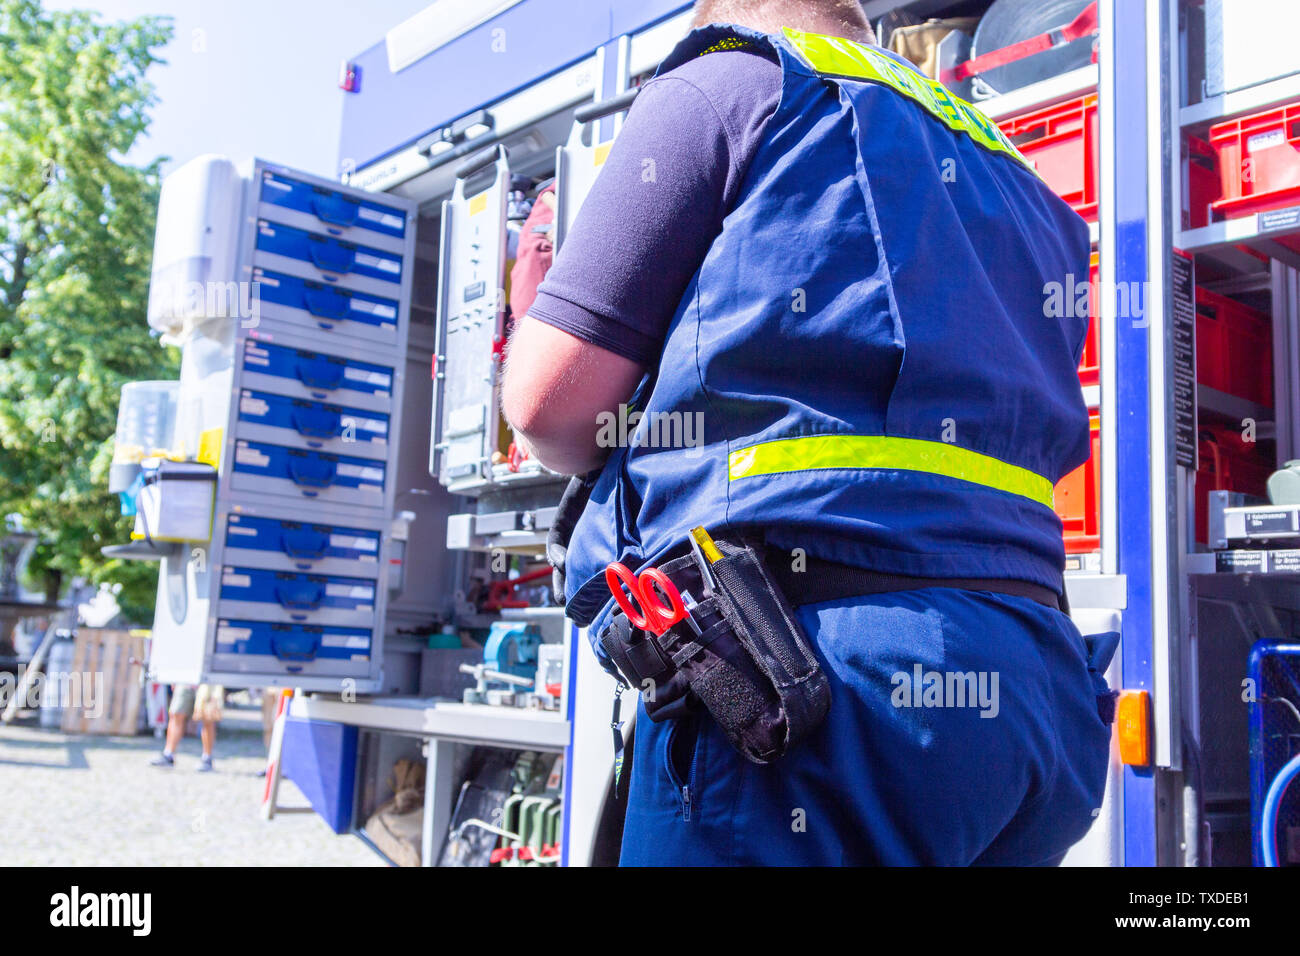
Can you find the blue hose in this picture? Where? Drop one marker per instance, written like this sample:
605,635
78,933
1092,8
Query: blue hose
1272,803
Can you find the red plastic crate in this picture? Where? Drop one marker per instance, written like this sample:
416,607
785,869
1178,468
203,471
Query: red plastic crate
1078,500
1234,348
1259,161
1090,363
1204,186
1227,463
1062,143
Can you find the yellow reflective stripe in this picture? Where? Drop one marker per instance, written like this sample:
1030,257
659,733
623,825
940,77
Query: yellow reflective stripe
835,56
882,451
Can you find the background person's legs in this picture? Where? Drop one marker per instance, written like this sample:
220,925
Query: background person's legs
207,709
178,713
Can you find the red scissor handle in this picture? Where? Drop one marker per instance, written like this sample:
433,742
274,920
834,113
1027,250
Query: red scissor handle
653,614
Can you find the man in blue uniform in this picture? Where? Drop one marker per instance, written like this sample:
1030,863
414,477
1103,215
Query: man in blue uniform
837,271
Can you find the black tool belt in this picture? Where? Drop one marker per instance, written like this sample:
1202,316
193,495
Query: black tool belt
752,666
812,581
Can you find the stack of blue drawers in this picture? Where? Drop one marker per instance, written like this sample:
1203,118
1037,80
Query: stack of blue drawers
306,495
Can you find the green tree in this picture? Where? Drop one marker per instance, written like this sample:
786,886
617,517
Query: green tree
76,239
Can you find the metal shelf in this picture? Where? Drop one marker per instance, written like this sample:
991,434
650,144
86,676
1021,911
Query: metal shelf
442,720
1044,93
1257,232
1230,406
1249,100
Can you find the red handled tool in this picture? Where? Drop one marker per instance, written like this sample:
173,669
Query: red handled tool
639,598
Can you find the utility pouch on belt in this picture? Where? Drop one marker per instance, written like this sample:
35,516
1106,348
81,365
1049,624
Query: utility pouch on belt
750,666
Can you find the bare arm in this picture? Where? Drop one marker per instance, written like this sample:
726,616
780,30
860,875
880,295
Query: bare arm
555,387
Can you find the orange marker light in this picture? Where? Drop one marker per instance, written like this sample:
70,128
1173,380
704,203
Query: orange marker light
1133,724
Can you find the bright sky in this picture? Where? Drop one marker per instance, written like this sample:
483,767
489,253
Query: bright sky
253,77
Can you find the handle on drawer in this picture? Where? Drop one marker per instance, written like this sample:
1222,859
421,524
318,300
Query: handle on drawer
295,645
312,472
299,594
303,543
326,303
333,208
332,256
318,373
317,422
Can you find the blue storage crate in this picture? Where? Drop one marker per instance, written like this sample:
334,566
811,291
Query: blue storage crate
303,541
332,206
333,256
293,644
1274,740
316,374
320,757
326,304
318,424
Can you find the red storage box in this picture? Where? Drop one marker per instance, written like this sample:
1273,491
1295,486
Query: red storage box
1234,348
1227,463
1062,143
1203,183
1090,362
1259,161
1078,500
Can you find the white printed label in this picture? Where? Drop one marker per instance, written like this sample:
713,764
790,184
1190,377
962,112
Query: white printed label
360,592
383,218
1267,140
245,455
367,376
230,635
230,579
351,642
375,262
378,309
361,471
349,542
253,406
239,529
252,358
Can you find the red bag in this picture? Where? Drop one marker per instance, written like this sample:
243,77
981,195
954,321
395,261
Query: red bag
536,252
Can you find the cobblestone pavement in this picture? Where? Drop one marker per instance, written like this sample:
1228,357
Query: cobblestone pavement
81,800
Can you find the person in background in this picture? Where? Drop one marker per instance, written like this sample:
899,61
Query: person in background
203,703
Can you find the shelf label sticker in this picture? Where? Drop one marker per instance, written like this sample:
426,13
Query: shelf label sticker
1183,296
1270,522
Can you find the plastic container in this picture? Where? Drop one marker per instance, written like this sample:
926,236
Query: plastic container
1234,348
1090,362
1203,183
1062,143
1259,161
1078,499
146,427
1227,463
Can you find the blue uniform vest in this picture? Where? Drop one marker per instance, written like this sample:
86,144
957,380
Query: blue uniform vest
866,365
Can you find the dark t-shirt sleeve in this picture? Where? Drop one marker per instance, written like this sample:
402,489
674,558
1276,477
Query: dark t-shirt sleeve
673,173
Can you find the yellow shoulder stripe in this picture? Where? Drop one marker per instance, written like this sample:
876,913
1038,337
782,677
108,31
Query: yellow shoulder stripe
835,56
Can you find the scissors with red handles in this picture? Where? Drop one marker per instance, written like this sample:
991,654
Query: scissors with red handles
639,598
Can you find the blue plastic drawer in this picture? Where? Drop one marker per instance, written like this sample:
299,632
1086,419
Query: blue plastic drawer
316,375
301,546
261,466
298,597
336,257
321,305
255,646
331,206
337,428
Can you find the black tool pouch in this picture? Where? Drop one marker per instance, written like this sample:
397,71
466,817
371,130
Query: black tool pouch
751,666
